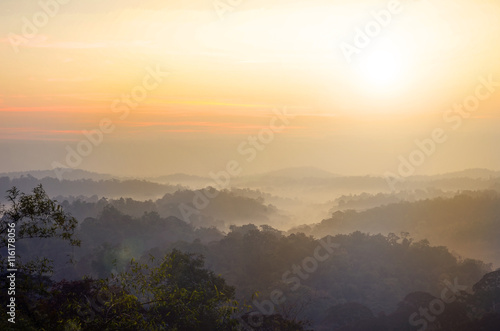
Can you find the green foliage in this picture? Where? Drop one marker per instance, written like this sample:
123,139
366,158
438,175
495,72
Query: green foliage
274,322
173,290
35,216
373,270
178,293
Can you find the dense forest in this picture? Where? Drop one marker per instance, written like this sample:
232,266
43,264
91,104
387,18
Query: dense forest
233,165
89,262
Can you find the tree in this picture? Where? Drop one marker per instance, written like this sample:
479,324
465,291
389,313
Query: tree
175,294
345,314
89,304
179,294
256,321
29,216
34,216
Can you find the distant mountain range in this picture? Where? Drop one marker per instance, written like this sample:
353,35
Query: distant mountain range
469,173
299,173
296,173
68,174
179,178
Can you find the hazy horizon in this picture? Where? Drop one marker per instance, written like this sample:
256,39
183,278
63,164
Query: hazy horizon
302,169
154,88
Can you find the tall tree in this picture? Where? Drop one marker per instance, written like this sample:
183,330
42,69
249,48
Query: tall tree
34,216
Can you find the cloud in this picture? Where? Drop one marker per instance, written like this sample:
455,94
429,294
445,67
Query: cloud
214,127
30,133
45,41
71,80
41,109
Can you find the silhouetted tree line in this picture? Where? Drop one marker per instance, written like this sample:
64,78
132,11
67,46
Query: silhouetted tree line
467,222
160,273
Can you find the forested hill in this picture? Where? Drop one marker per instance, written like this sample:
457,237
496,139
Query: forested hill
159,270
468,223
110,188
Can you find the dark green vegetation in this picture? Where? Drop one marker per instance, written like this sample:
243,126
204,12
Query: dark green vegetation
149,271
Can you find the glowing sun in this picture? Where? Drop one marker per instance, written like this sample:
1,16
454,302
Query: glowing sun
381,68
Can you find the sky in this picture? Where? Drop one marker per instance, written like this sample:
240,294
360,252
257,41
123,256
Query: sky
146,88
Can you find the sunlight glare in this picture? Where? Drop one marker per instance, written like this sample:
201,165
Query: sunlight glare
381,68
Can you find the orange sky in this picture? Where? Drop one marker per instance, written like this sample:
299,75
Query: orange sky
64,67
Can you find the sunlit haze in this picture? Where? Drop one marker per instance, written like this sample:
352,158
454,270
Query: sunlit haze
362,85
